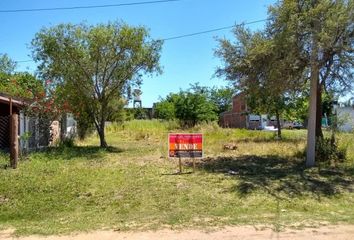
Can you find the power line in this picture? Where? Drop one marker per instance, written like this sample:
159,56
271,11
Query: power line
86,7
193,34
213,30
23,61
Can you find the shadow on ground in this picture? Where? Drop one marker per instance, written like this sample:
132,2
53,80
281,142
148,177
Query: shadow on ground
280,177
271,140
85,152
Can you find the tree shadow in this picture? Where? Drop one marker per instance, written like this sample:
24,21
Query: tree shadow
271,140
85,152
280,177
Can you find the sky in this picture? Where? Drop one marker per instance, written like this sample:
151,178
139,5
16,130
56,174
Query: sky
185,61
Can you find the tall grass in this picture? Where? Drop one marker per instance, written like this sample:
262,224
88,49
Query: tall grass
133,186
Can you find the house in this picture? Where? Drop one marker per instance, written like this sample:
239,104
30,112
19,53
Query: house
34,133
346,118
240,117
8,106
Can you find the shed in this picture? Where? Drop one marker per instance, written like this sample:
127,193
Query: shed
8,106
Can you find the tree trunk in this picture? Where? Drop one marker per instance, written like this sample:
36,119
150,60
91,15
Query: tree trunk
14,148
102,124
319,133
315,76
101,133
278,124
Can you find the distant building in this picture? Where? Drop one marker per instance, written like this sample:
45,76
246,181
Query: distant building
240,116
346,118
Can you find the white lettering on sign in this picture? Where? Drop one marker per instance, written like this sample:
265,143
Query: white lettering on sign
186,146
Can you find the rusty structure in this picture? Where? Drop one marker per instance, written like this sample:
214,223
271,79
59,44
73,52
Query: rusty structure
9,126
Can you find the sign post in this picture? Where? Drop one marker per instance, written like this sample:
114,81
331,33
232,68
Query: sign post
185,145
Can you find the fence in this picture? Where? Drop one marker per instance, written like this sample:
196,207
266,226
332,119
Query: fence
4,133
39,130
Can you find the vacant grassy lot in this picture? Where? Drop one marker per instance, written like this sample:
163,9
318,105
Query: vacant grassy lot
132,185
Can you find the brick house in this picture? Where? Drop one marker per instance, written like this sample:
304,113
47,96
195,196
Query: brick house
237,116
240,116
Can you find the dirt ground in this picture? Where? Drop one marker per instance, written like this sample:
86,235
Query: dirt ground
339,232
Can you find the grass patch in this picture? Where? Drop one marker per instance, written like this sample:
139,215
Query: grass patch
131,185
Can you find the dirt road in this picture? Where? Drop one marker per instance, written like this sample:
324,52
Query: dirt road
340,232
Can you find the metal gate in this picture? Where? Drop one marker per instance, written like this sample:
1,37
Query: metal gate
4,133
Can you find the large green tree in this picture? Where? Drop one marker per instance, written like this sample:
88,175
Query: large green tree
96,65
259,65
324,29
307,43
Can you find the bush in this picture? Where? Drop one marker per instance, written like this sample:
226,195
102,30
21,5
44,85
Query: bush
67,142
328,152
165,110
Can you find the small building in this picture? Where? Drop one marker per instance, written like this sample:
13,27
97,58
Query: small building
8,106
240,116
346,118
34,133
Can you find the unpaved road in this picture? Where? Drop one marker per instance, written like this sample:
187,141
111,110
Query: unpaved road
340,232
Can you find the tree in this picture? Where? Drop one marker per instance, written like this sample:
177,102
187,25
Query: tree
324,30
258,64
190,107
165,109
23,85
193,108
7,65
95,65
220,97
307,43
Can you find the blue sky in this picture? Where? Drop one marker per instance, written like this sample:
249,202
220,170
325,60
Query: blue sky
184,61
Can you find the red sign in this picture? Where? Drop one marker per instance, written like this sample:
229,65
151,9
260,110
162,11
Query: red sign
185,145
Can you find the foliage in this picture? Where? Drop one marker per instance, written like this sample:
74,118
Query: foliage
140,113
7,65
93,67
222,98
190,107
257,64
193,108
68,142
165,110
23,85
323,34
328,152
194,105
300,37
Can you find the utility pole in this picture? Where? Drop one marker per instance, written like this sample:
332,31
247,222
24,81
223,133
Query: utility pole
311,126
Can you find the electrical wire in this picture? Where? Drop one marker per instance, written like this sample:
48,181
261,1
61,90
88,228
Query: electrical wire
212,30
86,7
193,34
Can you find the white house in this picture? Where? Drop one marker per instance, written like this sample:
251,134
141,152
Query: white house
346,118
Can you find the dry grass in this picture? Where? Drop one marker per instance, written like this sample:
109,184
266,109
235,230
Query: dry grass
132,185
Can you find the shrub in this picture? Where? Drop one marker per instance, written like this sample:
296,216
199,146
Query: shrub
328,152
67,142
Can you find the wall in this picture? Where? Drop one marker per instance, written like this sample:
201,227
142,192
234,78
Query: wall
236,118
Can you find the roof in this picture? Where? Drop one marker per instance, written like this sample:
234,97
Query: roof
17,102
